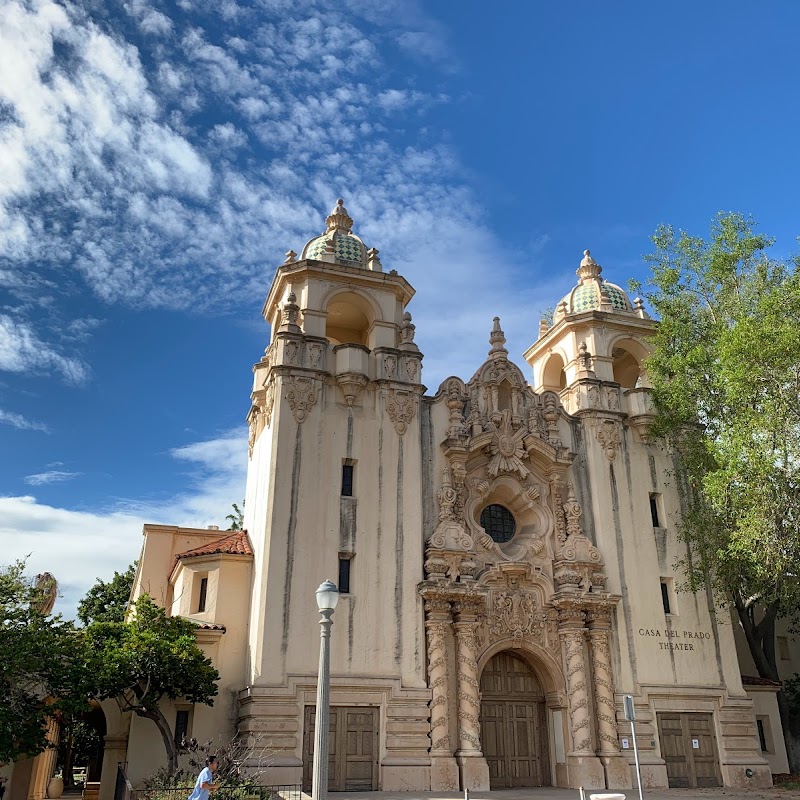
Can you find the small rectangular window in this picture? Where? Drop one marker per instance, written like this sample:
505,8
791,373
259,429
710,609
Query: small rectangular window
347,480
783,648
665,596
344,576
654,510
181,725
201,600
762,736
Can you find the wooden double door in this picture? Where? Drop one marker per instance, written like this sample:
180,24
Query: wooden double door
513,724
688,747
352,749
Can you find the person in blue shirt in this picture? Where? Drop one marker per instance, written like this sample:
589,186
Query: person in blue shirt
205,780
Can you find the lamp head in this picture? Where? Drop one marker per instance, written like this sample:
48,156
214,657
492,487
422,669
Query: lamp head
327,596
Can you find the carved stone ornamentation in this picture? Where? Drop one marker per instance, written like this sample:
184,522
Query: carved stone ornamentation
573,512
436,625
610,438
558,509
469,704
513,613
507,449
400,408
314,355
301,397
412,367
603,679
390,366
572,633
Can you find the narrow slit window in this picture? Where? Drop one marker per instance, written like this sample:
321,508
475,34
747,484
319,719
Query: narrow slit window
344,576
762,736
181,726
665,597
654,510
201,600
347,480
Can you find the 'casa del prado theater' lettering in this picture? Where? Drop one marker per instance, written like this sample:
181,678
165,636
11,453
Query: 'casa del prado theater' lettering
676,640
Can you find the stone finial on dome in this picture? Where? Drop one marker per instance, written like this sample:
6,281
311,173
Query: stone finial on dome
497,339
589,268
291,257
289,313
339,219
407,331
373,262
638,308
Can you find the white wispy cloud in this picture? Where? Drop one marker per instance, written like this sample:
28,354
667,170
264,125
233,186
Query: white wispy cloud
20,422
21,350
78,546
193,157
50,476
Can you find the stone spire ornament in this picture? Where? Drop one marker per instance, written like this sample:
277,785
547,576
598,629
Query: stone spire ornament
497,339
589,268
289,312
339,219
291,257
584,362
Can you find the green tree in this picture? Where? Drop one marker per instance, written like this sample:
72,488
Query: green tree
725,372
150,658
237,518
106,602
41,663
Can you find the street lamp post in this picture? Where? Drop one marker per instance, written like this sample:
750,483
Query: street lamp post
327,598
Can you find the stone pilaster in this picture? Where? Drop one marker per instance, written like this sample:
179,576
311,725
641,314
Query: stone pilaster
444,770
585,768
472,764
618,774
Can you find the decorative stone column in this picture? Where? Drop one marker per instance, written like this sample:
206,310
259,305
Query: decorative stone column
473,766
44,765
617,770
584,767
444,770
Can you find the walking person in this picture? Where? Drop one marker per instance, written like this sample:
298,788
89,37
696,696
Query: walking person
205,780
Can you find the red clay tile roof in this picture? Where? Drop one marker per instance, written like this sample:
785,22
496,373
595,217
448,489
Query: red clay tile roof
750,680
207,626
234,544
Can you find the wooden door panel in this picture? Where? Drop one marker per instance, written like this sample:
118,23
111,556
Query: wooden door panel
352,750
513,717
689,766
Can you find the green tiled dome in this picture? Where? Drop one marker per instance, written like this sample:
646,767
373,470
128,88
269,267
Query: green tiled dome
593,293
347,247
587,297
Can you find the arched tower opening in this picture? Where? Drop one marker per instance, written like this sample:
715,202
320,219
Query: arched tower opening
349,319
627,361
554,377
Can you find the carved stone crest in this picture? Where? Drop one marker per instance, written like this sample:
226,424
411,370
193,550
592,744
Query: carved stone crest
301,397
513,613
609,437
400,408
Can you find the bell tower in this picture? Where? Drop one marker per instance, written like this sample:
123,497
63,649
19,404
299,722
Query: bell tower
334,491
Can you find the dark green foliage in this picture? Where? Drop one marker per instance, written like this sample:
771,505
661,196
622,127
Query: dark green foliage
41,661
725,372
149,658
106,602
237,518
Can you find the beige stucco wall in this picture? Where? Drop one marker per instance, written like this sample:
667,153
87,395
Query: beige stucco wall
765,707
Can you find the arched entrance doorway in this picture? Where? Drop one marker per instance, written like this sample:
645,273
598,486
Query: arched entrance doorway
513,724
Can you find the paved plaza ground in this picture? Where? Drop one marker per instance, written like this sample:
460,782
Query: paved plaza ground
725,793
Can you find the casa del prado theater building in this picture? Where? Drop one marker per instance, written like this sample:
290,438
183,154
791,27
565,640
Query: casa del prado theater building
504,546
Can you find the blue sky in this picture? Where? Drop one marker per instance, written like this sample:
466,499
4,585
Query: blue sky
158,158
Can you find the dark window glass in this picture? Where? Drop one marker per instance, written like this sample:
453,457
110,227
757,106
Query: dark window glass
498,522
181,726
665,597
654,510
344,576
347,480
201,601
761,735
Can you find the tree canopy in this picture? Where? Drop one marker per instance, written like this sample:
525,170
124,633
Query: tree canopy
41,664
149,658
725,372
107,601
